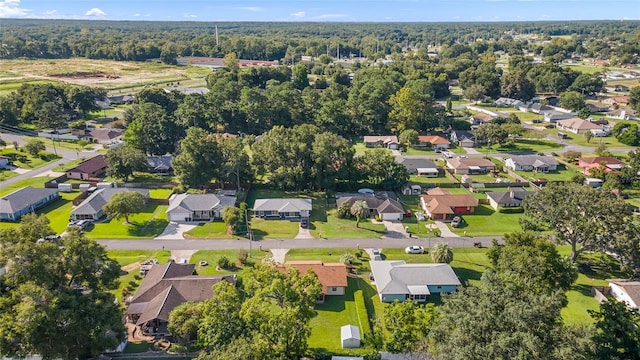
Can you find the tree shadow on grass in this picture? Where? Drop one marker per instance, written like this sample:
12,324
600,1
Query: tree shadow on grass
483,211
465,274
258,234
369,292
60,202
151,228
333,303
582,289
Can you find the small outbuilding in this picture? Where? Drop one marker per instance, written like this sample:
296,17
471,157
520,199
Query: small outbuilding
350,337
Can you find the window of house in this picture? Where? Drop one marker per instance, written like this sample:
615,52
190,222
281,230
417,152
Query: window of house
334,289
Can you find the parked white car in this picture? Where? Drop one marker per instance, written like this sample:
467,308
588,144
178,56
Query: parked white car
414,249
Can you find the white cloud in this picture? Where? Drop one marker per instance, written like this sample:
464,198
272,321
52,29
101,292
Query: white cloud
136,14
187,15
51,12
331,16
249,8
11,8
95,12
298,14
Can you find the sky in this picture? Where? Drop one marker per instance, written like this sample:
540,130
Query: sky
325,10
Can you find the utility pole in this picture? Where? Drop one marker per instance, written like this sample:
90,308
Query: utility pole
217,39
249,233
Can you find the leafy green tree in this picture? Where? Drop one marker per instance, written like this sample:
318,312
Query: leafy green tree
152,130
359,209
169,54
408,137
235,162
8,111
123,160
332,158
34,146
184,321
125,203
572,100
300,79
497,321
231,216
588,136
407,323
634,98
580,215
406,110
378,167
58,292
515,84
441,253
533,263
198,160
587,84
475,92
221,320
491,133
617,331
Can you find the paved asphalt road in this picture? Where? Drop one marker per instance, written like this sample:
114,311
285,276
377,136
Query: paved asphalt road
290,243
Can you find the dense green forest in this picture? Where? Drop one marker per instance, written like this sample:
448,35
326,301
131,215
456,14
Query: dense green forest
130,40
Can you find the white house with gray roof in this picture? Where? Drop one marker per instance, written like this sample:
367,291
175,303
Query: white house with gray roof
537,163
282,208
198,207
24,201
397,280
91,207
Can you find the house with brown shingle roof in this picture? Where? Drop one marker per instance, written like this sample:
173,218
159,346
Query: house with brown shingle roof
107,135
577,125
164,288
607,162
626,291
480,118
387,141
89,169
470,165
439,204
437,143
332,276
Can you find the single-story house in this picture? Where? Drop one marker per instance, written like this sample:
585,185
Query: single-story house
439,204
24,201
617,100
470,165
623,114
89,169
463,138
437,143
350,337
121,99
160,164
332,276
615,88
555,116
538,108
397,280
198,207
387,141
511,198
508,102
626,291
420,167
164,288
577,125
537,163
597,107
282,208
385,207
106,135
91,207
480,118
609,163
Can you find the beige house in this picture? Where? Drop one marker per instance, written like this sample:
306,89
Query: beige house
577,125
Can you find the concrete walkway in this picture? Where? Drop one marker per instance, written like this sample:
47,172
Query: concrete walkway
444,230
303,234
181,256
279,255
395,230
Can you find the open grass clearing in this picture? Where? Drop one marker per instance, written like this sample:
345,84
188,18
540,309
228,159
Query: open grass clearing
429,180
62,144
25,160
211,257
36,182
209,230
274,229
147,224
486,221
581,140
160,193
560,175
7,174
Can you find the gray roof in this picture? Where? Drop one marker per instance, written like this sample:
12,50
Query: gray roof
534,160
94,203
413,164
511,196
462,134
181,203
282,205
23,198
159,162
395,277
349,332
383,205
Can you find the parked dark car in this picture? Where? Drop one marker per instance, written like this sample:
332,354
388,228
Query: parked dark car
304,223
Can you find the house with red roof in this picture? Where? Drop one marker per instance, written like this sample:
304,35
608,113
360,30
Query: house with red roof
607,162
439,204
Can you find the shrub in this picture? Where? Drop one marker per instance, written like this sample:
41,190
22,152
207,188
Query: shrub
243,256
224,262
347,259
344,211
133,283
377,217
21,158
511,210
137,276
359,253
361,311
83,143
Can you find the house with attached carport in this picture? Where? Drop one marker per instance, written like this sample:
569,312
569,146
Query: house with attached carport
420,167
577,125
439,204
92,207
332,276
511,198
282,208
165,287
23,201
397,280
470,165
381,204
198,207
537,163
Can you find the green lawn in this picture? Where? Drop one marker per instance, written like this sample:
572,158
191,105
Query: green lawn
68,165
160,193
486,221
419,151
36,182
7,174
581,140
274,229
429,180
561,175
146,224
212,257
63,144
30,161
209,230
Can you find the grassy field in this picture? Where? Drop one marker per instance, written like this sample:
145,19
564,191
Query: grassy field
485,221
126,257
146,224
212,257
7,174
36,182
63,144
581,140
209,230
160,193
560,175
274,229
30,161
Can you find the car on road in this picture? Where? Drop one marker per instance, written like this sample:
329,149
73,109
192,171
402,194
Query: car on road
304,223
550,126
414,249
456,222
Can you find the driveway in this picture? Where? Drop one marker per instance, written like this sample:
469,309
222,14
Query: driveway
303,234
444,230
395,230
174,231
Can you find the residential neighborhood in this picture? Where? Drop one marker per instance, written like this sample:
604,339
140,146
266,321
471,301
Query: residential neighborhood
200,190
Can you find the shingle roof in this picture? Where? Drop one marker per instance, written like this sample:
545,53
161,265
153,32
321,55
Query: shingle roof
578,124
433,139
89,166
394,277
482,117
329,275
600,159
532,159
413,164
100,197
464,163
181,203
513,195
382,205
282,205
384,138
23,198
162,163
106,134
632,288
440,201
